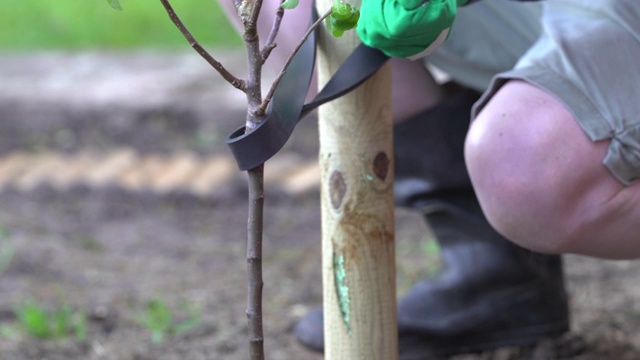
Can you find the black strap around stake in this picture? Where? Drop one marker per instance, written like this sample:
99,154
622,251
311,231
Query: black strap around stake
287,106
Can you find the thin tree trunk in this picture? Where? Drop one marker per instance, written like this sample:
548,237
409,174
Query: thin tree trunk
356,157
255,180
254,262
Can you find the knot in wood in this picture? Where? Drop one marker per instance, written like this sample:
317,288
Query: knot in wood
337,189
381,165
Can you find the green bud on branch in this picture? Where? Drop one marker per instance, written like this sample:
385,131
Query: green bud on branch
343,17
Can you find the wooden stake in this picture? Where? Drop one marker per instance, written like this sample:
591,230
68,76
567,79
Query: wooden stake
358,260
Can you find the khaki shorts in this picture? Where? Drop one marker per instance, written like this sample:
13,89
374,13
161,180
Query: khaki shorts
584,52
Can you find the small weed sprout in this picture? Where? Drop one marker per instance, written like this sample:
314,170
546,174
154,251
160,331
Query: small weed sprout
159,320
35,320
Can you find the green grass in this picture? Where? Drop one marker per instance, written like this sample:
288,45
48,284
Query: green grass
93,24
158,318
35,320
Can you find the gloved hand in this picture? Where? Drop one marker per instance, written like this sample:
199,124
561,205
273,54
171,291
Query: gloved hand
406,28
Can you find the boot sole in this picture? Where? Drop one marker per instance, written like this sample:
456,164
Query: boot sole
477,343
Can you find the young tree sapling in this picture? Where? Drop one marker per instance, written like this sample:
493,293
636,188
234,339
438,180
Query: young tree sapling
340,18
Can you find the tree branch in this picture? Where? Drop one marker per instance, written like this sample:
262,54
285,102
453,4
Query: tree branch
257,6
267,99
234,81
270,44
244,9
254,61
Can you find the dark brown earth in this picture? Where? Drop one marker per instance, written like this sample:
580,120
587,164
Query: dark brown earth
107,251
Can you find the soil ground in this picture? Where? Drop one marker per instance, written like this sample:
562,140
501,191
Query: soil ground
107,251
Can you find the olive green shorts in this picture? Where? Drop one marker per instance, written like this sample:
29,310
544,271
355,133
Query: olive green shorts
584,52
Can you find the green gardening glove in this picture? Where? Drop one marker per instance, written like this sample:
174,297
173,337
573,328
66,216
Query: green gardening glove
406,28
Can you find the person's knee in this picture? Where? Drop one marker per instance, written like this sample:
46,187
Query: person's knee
517,166
515,204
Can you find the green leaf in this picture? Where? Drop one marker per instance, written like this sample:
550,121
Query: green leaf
289,4
157,318
115,4
191,322
34,319
80,326
60,321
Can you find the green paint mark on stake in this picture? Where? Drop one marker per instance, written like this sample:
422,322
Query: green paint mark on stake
342,290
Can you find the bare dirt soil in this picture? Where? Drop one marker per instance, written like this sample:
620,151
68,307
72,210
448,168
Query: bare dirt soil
107,252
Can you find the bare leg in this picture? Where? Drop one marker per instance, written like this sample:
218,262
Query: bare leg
541,182
413,88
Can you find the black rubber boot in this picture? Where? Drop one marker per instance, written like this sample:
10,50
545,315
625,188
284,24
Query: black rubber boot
490,292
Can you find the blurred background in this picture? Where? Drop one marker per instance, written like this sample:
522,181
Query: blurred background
90,25
123,216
